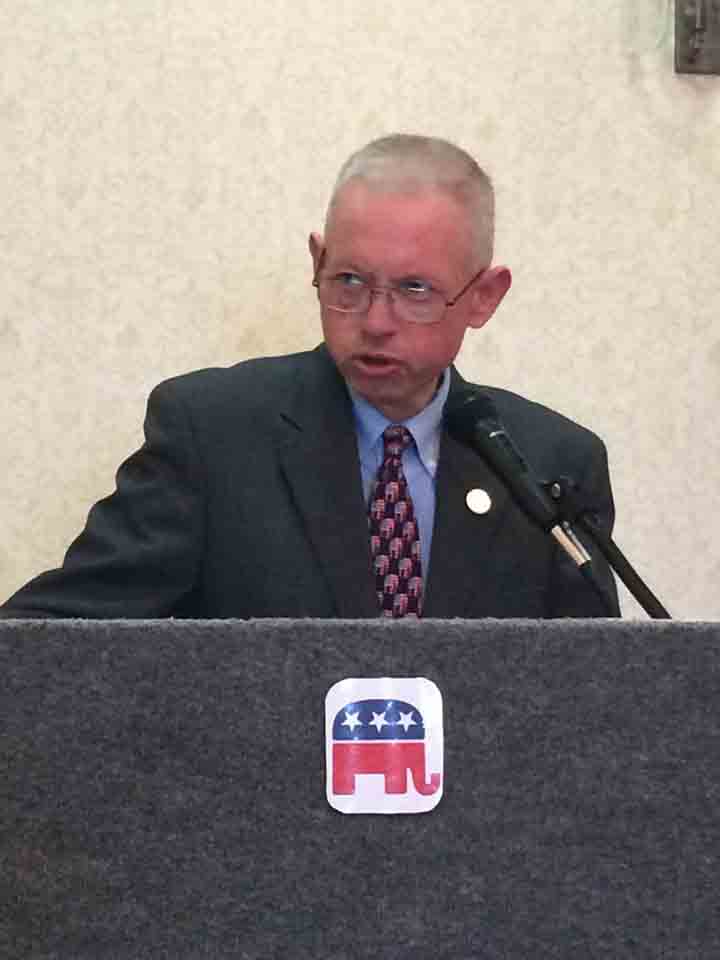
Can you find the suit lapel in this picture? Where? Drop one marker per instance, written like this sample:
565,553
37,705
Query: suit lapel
321,466
462,581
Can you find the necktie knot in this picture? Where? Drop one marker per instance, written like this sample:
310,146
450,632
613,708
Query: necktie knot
396,439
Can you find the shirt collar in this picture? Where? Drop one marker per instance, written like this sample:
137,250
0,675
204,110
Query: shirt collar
424,426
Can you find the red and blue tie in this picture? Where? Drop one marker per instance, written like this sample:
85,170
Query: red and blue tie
394,533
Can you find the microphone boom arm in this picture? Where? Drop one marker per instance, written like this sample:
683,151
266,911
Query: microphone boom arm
570,509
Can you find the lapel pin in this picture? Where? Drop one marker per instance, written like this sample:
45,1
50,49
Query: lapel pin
478,501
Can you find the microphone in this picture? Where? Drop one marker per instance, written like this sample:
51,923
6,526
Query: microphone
473,420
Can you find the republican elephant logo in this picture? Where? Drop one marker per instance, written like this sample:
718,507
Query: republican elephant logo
384,751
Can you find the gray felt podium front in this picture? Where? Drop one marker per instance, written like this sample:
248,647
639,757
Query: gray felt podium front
163,793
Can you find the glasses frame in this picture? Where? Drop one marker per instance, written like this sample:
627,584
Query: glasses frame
389,291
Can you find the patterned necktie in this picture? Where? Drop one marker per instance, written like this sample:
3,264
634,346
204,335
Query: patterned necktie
394,534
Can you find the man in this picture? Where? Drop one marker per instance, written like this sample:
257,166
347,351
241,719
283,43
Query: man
254,491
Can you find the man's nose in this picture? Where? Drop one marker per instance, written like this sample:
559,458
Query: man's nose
380,317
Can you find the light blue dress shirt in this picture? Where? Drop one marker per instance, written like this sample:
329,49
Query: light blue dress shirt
419,461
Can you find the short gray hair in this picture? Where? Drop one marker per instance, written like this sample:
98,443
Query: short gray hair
407,162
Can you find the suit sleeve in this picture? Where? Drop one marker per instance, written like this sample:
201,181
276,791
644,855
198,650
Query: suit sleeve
140,553
570,595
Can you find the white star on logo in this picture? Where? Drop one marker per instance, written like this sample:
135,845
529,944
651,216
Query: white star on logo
406,720
351,720
379,721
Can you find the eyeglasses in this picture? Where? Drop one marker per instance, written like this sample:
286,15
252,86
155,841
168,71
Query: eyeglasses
412,300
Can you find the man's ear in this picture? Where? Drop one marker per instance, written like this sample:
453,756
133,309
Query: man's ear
486,295
316,245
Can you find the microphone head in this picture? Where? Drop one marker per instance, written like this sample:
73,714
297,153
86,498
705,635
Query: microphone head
466,410
472,418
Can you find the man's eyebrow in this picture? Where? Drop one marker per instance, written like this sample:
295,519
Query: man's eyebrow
350,265
432,281
368,271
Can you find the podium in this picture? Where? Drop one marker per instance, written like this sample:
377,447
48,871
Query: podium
162,793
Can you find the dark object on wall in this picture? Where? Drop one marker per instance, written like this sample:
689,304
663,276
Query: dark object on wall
697,36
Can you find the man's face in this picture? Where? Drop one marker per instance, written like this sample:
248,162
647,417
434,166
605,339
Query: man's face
388,238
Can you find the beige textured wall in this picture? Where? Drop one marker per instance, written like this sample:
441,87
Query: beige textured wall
161,164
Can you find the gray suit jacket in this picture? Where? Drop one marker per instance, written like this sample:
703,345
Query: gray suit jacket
245,501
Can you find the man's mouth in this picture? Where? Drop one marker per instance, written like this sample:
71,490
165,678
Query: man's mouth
376,361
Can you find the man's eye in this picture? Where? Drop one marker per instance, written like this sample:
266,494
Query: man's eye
349,280
415,289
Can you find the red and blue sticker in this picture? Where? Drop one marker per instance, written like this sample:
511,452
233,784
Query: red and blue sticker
384,745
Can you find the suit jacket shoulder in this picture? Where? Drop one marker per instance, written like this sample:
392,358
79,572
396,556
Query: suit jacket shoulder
244,501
